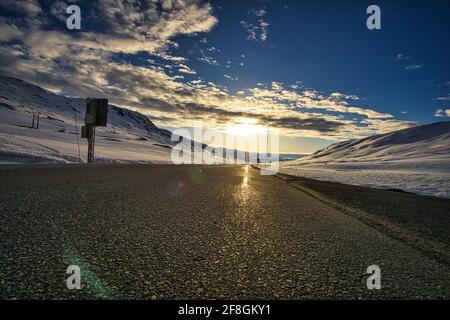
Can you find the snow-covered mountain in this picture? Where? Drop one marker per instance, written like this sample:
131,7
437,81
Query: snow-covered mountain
416,159
424,147
129,137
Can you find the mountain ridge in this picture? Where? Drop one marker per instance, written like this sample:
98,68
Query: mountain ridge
415,159
430,143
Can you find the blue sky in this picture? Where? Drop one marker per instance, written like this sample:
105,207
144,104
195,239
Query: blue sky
326,45
310,68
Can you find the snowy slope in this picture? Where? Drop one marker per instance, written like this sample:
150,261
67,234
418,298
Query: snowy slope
129,136
415,159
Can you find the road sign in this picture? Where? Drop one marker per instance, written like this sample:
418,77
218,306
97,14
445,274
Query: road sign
102,112
97,112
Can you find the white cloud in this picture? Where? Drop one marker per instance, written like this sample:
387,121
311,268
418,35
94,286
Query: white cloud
257,30
58,10
259,13
230,77
208,59
446,98
169,57
185,69
143,18
9,31
442,113
308,99
402,57
213,49
338,95
264,33
410,66
414,67
167,5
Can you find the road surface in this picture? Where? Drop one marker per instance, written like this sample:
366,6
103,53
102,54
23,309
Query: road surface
193,232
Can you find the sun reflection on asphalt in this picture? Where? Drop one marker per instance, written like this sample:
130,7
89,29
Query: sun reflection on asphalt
245,179
244,192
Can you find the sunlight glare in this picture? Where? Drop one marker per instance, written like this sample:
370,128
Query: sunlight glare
245,127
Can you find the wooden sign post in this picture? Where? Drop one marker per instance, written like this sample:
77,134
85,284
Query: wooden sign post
96,115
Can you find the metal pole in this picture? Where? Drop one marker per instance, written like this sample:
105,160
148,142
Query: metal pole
88,129
89,132
91,142
78,140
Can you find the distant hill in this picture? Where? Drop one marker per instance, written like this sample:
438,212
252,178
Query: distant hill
415,160
421,148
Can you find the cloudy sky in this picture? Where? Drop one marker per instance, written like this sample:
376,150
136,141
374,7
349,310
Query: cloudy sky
312,69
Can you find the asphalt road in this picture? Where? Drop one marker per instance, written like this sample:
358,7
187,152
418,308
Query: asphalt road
182,232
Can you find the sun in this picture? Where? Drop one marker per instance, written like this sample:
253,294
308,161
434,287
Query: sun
245,127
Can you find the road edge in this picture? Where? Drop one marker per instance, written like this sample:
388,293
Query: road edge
433,249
